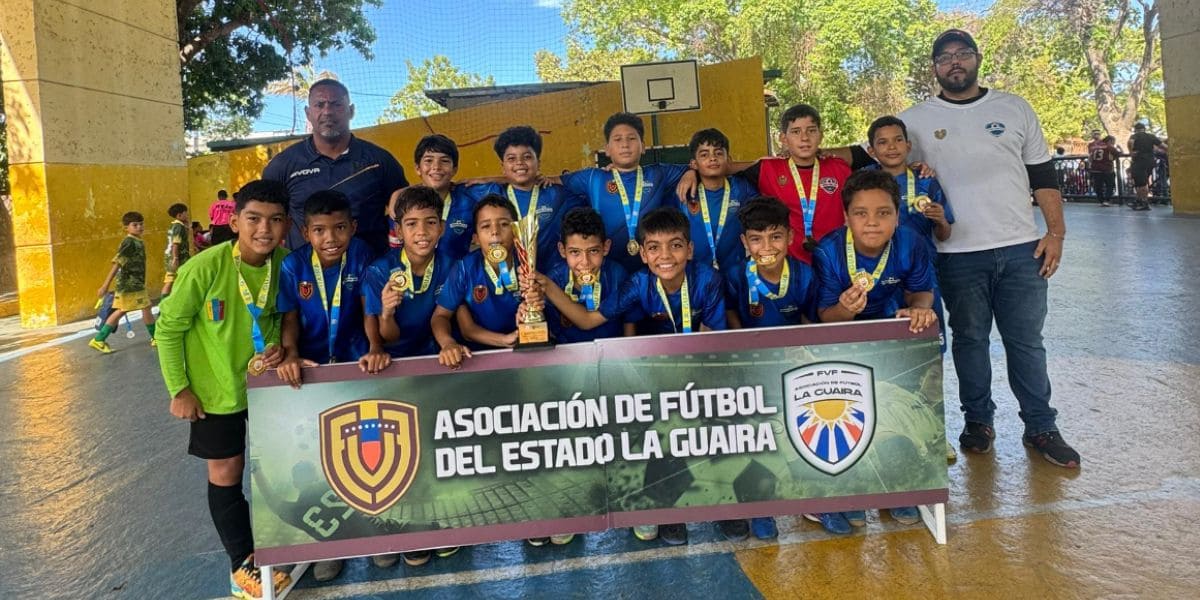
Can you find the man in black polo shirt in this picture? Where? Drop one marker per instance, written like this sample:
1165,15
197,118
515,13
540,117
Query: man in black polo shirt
1142,146
333,159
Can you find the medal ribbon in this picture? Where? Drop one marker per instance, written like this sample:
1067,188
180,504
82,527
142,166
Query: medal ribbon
852,261
446,207
757,286
589,294
808,202
333,308
713,240
685,305
911,200
631,214
254,306
502,282
408,288
526,221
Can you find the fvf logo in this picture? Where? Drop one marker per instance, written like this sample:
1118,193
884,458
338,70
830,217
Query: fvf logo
829,410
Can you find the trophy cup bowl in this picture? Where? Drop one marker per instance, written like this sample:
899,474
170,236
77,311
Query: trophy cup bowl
532,330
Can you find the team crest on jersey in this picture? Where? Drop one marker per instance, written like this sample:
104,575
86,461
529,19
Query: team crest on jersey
459,226
479,294
694,206
828,185
370,451
306,289
756,310
995,128
611,187
830,413
782,181
939,134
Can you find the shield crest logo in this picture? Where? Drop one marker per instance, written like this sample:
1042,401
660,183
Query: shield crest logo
370,450
306,289
479,294
828,185
611,187
829,409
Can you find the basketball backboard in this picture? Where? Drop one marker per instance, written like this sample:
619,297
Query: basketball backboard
652,88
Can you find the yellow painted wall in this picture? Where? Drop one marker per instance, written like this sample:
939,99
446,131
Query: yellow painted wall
571,123
95,129
1180,20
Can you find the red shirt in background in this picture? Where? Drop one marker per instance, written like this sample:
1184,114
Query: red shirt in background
1101,156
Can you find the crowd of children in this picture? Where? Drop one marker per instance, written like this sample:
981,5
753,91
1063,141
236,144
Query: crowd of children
632,249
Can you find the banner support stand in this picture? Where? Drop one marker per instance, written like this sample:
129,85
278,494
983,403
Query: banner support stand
934,518
268,579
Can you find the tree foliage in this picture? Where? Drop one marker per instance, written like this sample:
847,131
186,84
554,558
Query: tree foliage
436,73
230,50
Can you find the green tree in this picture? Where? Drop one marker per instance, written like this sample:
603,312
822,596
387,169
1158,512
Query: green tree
229,50
436,73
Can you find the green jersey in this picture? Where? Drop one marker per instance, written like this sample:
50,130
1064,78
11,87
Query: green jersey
131,258
204,332
177,237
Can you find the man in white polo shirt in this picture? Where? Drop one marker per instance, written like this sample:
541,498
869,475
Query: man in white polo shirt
989,152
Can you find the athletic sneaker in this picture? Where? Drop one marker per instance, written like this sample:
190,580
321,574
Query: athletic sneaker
764,528
1053,448
246,582
856,518
416,558
562,540
674,534
977,438
537,542
1105,204
734,530
446,552
153,343
645,532
384,561
99,345
906,514
832,522
326,570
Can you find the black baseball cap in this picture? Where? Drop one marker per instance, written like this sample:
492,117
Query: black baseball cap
953,35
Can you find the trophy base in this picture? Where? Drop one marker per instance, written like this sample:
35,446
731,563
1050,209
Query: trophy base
533,336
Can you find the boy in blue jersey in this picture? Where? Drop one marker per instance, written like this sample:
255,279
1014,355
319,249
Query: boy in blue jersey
586,284
873,269
319,289
436,159
401,287
715,227
481,291
923,205
769,288
629,191
519,150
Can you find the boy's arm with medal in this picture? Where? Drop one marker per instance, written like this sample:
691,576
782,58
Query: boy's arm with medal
574,311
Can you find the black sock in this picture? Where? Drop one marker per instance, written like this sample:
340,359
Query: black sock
231,516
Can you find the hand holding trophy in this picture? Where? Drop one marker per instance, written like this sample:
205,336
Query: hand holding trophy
532,330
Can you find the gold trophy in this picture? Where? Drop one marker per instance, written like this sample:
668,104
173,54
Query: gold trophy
532,330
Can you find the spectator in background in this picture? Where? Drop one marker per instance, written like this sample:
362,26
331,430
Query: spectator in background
1102,157
219,214
1142,146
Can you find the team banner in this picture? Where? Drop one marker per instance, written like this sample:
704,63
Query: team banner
585,437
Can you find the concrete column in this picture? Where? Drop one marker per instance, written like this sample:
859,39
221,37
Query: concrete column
1181,75
95,129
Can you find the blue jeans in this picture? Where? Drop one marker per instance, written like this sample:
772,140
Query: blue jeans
1004,284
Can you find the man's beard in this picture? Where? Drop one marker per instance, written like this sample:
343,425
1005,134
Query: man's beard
968,81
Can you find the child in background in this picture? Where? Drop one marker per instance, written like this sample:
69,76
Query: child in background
129,270
178,250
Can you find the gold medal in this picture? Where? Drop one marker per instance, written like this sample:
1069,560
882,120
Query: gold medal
809,243
497,254
257,365
400,281
587,279
766,260
923,202
864,280
632,247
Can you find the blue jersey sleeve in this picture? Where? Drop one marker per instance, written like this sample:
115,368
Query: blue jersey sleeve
829,277
454,292
372,287
713,312
610,301
669,176
288,298
629,302
920,276
578,182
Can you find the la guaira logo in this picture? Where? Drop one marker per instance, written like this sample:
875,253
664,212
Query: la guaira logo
829,410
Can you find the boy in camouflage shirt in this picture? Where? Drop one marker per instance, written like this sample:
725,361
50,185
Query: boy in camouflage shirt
178,250
129,270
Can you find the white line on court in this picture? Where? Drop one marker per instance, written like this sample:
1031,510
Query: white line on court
1171,489
90,331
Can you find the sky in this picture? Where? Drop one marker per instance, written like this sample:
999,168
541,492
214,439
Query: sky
488,37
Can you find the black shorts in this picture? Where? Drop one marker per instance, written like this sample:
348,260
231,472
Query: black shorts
1140,172
218,436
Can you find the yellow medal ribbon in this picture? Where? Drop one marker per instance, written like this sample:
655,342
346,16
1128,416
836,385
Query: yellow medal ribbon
685,305
333,307
759,285
852,260
428,277
526,221
446,207
496,285
631,213
715,238
808,203
255,306
575,298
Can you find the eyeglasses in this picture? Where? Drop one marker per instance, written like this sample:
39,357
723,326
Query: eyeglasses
961,56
